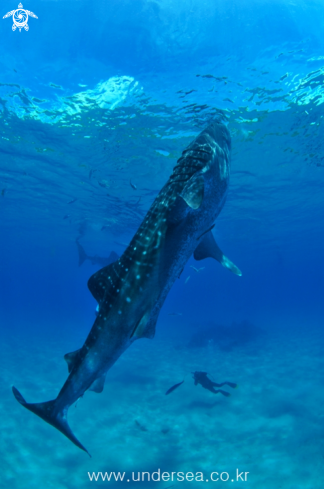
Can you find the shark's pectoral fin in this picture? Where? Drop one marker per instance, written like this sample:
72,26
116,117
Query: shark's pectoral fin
193,192
149,331
208,248
98,384
144,328
103,281
71,359
227,263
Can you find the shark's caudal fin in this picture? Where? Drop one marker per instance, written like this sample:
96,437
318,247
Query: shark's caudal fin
48,412
82,254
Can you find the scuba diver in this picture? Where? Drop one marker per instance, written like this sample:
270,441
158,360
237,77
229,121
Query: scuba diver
202,379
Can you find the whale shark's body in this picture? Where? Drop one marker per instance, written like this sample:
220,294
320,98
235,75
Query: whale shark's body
131,291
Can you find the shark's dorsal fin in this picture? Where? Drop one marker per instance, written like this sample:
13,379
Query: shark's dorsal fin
71,358
98,384
103,281
193,192
208,248
191,197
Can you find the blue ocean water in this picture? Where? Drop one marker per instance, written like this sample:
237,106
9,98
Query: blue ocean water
97,102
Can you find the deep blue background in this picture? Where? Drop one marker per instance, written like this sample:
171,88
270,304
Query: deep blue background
272,224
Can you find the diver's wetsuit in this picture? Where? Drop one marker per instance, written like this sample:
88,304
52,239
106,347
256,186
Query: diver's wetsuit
202,379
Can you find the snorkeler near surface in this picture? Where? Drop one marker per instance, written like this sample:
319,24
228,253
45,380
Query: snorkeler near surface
202,379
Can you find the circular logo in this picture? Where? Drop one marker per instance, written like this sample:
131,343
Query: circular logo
20,18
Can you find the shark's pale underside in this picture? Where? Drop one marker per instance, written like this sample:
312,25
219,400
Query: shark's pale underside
132,290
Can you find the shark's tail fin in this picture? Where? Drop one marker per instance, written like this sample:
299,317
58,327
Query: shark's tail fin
82,254
48,412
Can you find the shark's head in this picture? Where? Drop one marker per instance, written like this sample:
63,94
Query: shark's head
219,133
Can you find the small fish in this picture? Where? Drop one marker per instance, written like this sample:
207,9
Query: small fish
3,191
91,172
141,427
187,279
197,269
66,216
15,70
72,201
103,183
132,185
173,388
175,314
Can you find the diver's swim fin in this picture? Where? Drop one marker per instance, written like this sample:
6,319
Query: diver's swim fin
47,411
226,394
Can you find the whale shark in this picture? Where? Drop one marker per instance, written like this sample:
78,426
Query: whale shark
131,291
95,260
